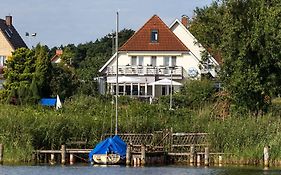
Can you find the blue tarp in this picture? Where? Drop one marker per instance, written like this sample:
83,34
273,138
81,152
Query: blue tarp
48,101
110,145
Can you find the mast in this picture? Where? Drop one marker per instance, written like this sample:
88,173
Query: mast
117,85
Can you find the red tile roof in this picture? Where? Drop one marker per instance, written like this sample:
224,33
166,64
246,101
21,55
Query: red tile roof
141,40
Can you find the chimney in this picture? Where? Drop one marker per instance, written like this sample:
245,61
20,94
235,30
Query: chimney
9,20
185,20
58,52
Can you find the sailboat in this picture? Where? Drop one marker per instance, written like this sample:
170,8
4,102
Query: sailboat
109,151
113,149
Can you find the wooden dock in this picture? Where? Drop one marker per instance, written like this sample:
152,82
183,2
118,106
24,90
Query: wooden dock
62,156
158,147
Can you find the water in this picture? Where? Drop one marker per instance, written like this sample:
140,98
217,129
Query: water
121,170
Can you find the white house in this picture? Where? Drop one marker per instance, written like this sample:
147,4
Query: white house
10,40
155,55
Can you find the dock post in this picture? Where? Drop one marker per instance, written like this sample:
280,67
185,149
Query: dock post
52,161
192,154
198,160
135,161
142,154
206,157
220,160
71,159
63,154
128,155
1,154
266,156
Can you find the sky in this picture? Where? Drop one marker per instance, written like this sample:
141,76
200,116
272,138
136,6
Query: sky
62,22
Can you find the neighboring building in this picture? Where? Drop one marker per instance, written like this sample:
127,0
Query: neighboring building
57,58
10,40
155,55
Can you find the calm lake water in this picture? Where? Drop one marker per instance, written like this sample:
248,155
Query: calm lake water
120,170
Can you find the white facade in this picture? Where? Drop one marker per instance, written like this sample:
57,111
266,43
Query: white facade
145,67
195,47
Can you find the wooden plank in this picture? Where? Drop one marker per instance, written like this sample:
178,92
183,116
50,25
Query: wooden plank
178,154
77,151
188,145
189,134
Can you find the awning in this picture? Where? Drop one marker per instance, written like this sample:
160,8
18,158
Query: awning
164,82
124,79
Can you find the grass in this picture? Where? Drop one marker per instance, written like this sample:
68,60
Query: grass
26,128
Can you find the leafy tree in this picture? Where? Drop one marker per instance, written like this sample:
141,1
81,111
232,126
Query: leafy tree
27,74
63,81
42,72
248,37
19,73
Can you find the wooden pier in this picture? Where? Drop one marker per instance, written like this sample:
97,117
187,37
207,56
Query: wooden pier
62,156
155,148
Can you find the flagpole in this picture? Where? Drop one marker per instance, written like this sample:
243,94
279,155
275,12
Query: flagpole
117,85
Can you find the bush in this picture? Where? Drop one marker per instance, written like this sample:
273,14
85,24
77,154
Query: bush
194,94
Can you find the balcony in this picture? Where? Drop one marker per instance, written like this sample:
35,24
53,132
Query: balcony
145,70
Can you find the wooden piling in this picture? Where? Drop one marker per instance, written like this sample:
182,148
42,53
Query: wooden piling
71,159
52,161
266,156
63,154
1,153
192,155
206,157
198,160
142,154
128,155
220,160
135,161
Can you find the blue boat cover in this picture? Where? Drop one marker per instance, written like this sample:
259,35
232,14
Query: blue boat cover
109,146
48,101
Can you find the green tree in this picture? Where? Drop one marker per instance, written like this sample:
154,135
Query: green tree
63,81
248,38
42,75
27,74
19,73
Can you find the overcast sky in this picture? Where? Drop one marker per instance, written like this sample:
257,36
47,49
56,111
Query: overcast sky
61,22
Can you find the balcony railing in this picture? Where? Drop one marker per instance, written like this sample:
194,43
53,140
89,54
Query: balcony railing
145,70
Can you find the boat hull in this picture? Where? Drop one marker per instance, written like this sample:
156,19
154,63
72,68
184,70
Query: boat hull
107,159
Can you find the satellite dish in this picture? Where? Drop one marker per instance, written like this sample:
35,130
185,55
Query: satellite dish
192,72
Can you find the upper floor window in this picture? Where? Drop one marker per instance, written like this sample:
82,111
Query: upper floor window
166,61
174,61
153,61
133,60
140,61
154,36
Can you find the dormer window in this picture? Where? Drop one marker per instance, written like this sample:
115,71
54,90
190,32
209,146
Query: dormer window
154,36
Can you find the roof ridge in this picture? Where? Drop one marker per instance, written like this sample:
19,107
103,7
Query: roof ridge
141,41
138,30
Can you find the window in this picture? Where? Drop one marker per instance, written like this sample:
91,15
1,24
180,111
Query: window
154,36
134,61
140,61
166,61
2,60
174,61
153,61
